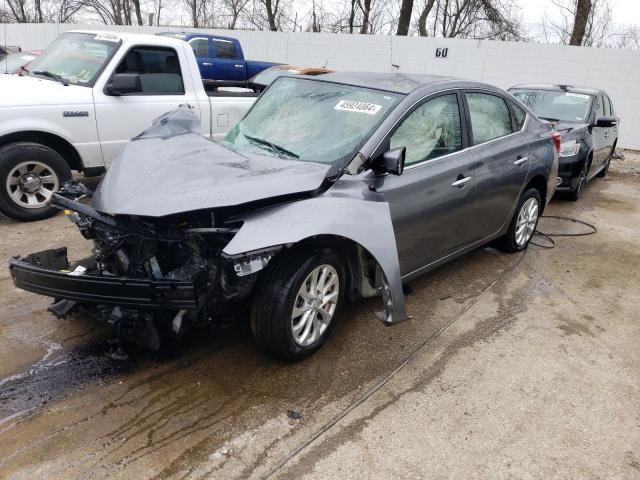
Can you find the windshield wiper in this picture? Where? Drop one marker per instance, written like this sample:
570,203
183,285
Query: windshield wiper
277,149
549,119
55,76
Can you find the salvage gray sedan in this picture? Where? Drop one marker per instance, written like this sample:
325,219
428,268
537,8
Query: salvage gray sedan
331,188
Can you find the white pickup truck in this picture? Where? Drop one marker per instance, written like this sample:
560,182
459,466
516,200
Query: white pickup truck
84,98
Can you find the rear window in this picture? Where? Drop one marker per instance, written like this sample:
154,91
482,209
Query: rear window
224,49
555,105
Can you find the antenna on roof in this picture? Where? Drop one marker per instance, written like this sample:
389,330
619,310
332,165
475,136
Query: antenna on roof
326,62
564,87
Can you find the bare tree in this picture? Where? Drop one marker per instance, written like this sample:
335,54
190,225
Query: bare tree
422,20
562,26
235,9
582,14
406,9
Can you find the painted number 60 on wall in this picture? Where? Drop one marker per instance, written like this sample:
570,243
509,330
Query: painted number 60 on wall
442,52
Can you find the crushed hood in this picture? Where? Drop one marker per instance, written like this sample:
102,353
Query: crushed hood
172,169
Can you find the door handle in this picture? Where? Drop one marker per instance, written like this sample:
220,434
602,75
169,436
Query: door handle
520,161
207,64
461,182
239,66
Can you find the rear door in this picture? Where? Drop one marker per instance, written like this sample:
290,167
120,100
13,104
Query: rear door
502,153
227,62
432,201
600,136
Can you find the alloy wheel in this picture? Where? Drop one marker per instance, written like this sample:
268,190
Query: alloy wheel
527,221
31,184
315,305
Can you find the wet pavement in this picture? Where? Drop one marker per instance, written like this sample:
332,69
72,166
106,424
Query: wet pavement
514,366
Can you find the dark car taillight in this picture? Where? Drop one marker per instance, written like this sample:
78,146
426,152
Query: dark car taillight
556,140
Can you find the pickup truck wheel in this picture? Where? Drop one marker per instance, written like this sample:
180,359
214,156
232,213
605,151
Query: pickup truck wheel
523,223
296,302
29,174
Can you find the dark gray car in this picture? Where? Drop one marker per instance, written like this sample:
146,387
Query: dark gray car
588,126
332,188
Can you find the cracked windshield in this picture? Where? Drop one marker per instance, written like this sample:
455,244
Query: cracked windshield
311,120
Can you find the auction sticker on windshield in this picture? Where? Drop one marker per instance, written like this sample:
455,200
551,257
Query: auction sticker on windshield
359,107
107,37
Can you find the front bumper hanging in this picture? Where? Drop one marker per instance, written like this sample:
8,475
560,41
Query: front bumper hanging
47,273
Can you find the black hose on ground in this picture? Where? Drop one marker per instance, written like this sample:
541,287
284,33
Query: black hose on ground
548,236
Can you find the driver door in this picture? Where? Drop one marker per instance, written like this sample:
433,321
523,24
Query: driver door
432,201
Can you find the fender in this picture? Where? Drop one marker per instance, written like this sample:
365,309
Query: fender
339,212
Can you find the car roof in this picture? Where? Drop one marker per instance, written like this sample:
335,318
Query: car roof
560,88
404,83
133,37
185,35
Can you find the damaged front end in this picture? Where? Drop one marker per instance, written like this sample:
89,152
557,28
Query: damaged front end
147,278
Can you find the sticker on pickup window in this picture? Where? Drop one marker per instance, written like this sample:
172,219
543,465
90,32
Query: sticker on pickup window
578,95
107,37
359,107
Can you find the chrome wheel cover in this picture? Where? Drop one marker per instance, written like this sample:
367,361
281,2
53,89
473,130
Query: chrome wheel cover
31,184
315,305
527,220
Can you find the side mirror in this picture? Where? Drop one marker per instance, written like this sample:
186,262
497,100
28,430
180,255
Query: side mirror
393,160
606,121
124,83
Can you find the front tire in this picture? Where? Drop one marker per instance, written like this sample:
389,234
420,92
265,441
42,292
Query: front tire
523,224
296,302
582,181
603,173
29,174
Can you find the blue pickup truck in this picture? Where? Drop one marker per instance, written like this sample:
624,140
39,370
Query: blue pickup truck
220,58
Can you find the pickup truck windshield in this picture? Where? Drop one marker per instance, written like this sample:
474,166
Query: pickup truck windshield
555,105
76,58
311,120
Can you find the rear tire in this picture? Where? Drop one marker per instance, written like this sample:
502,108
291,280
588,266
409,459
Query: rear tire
286,302
29,174
523,224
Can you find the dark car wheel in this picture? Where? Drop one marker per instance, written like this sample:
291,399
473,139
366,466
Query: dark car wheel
603,173
29,174
582,181
297,299
523,223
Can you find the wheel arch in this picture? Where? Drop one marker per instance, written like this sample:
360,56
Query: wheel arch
539,183
51,140
359,263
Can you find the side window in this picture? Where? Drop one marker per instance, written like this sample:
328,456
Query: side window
430,131
599,107
200,47
225,49
490,117
158,67
519,115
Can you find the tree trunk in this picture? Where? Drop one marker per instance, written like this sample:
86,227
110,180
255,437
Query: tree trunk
366,10
352,15
136,6
583,10
406,9
271,15
422,21
194,13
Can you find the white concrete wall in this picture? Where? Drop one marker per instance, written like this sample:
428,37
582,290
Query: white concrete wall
500,63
